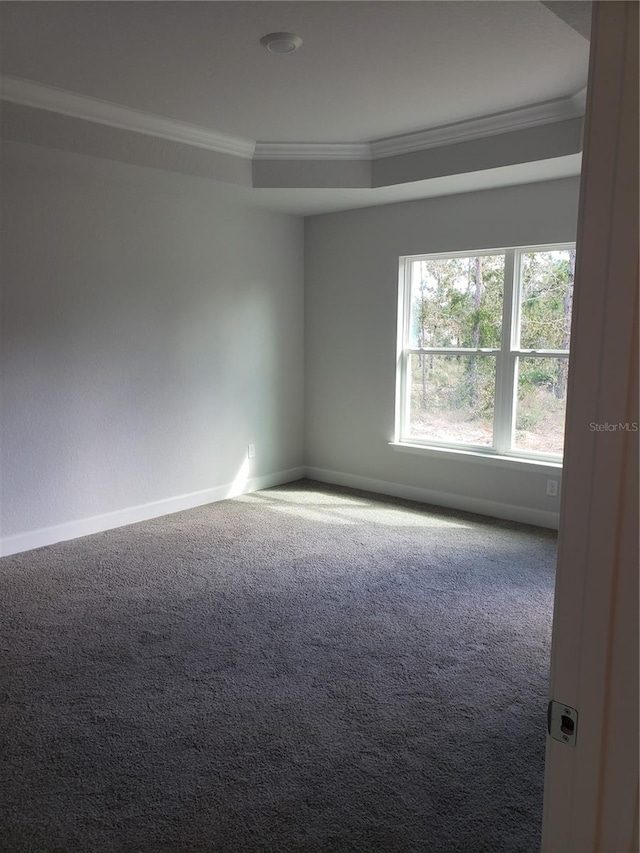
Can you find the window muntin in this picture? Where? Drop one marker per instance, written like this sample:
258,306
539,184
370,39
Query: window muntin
483,350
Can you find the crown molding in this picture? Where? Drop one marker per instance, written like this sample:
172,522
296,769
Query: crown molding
31,94
312,151
522,118
39,96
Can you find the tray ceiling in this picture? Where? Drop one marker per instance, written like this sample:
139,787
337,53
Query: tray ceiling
379,94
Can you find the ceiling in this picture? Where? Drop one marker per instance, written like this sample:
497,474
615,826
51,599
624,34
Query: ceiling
421,76
366,70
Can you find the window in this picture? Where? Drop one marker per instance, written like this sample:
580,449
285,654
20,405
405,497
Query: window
483,350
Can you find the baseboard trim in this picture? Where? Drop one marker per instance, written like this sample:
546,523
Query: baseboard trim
131,515
526,515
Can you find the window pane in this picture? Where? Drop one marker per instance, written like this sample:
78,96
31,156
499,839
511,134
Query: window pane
452,398
542,399
546,299
457,302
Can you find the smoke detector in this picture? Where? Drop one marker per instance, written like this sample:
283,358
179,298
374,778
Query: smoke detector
281,42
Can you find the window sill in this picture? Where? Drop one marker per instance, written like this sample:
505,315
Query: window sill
515,463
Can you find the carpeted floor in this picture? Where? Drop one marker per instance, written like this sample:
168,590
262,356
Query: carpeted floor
305,669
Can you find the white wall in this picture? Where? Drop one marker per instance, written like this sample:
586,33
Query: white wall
351,283
151,328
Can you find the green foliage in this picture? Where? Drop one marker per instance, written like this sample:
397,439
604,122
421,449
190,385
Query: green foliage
454,384
547,292
443,310
538,372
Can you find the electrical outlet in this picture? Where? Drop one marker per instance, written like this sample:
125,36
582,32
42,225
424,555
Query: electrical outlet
552,488
251,451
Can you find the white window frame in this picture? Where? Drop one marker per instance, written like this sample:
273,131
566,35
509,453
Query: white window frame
506,356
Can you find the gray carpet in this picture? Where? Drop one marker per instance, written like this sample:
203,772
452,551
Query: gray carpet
300,669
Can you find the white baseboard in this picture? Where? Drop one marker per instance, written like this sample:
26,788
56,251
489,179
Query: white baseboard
526,515
131,515
98,523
